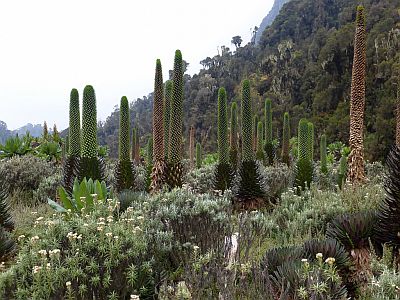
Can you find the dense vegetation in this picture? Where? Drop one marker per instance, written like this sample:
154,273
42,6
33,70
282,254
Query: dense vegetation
304,64
255,220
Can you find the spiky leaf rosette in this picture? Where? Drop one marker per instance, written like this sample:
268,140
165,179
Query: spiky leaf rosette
176,125
167,115
269,147
398,115
7,244
250,193
223,177
93,168
233,137
5,217
74,124
329,248
286,139
354,230
247,132
388,225
324,167
356,173
124,174
310,144
199,159
304,167
70,169
260,151
276,257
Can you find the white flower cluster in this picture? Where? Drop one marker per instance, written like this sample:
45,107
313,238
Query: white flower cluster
74,236
54,253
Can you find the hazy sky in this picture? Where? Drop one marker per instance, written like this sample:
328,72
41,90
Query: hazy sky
49,47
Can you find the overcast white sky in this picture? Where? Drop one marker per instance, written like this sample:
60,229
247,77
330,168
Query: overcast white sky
49,47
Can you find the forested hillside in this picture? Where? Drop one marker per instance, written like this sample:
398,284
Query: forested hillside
303,63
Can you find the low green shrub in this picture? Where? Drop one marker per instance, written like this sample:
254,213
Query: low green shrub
81,257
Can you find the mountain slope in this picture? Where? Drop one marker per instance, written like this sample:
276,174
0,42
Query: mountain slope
267,21
303,63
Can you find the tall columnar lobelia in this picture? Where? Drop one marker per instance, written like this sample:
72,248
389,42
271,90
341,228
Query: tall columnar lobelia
174,166
304,168
286,139
255,124
356,173
135,146
398,116
199,159
323,154
233,138
45,135
7,245
149,163
223,172
260,143
90,165
71,163
124,176
311,141
269,147
250,192
167,114
159,166
191,145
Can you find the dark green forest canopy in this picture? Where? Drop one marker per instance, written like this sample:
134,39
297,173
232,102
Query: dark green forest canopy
303,63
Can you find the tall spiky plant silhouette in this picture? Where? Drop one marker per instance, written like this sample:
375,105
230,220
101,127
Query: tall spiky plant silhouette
174,166
124,174
135,146
269,147
167,114
255,124
233,138
356,173
90,165
323,154
199,158
388,225
223,172
159,165
398,115
250,193
7,245
260,143
304,167
45,134
71,163
191,145
286,139
311,141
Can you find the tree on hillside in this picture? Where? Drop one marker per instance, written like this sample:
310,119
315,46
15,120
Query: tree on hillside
237,41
